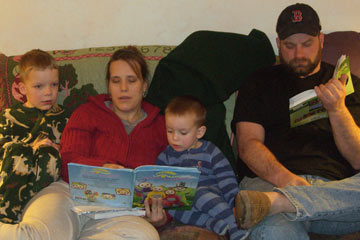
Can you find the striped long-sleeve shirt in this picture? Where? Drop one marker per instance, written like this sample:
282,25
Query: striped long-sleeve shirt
215,169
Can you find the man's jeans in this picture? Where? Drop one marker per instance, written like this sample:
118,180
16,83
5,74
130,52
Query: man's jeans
326,207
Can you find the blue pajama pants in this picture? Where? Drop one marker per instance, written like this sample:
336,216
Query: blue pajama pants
211,211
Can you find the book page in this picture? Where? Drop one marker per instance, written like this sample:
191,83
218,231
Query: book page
343,67
100,212
99,186
175,185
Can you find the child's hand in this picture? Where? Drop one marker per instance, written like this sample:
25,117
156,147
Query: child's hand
56,146
112,165
155,213
43,140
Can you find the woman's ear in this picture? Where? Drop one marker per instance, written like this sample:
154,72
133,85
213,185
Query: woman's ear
22,88
200,132
146,84
145,87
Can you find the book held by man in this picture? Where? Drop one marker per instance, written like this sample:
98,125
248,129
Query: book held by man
123,191
306,107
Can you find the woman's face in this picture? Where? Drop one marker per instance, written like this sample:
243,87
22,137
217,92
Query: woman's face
126,88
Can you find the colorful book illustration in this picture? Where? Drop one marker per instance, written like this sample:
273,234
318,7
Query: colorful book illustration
306,107
105,190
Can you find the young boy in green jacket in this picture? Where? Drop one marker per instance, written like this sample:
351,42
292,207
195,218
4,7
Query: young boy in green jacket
30,135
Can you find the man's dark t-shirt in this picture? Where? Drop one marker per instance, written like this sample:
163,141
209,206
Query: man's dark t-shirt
307,149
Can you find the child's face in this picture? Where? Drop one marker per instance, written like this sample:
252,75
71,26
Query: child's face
182,132
41,88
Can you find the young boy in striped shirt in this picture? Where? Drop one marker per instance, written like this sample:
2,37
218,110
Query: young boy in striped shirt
214,200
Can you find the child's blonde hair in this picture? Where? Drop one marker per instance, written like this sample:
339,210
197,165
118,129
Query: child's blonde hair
187,105
35,59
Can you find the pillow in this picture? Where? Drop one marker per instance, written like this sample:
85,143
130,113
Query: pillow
176,230
346,42
3,93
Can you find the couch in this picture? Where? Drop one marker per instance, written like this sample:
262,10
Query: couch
82,73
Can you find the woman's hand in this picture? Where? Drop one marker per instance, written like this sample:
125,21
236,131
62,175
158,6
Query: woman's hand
155,213
112,165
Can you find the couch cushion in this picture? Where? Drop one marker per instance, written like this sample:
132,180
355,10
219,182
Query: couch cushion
211,66
176,230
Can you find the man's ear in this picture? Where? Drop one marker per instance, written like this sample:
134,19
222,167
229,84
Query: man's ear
22,88
321,38
278,42
200,132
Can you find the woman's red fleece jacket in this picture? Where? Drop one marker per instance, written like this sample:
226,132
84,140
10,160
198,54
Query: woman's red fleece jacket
95,135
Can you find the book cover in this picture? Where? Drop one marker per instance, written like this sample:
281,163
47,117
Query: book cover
117,190
306,107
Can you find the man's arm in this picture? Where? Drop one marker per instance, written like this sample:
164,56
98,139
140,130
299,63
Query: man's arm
345,130
250,138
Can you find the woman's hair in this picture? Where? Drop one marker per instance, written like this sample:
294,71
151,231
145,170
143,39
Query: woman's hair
134,58
183,105
35,59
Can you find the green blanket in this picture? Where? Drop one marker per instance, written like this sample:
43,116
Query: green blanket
210,66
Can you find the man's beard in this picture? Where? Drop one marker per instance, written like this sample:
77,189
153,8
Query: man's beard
302,67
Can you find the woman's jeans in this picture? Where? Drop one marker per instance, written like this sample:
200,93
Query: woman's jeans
325,207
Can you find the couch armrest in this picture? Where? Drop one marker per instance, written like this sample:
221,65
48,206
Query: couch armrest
345,42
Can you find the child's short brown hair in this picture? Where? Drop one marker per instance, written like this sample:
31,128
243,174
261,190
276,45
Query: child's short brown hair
183,105
36,59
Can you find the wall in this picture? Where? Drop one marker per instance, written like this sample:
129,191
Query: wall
70,24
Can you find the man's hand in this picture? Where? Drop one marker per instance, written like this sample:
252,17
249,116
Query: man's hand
155,213
293,180
332,94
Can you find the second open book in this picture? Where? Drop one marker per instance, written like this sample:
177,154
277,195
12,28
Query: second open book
306,107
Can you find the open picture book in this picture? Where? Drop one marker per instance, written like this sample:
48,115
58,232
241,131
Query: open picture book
105,192
306,107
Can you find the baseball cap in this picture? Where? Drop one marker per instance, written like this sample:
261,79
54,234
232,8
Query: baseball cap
298,18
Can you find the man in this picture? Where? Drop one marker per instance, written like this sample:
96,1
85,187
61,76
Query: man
277,155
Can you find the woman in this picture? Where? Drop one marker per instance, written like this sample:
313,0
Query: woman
117,130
